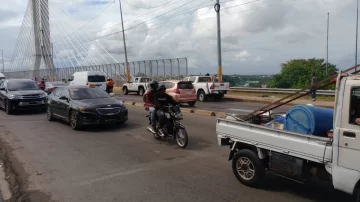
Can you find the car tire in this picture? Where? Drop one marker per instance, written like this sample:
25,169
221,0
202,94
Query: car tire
8,107
125,91
49,114
141,91
248,168
74,120
201,96
191,104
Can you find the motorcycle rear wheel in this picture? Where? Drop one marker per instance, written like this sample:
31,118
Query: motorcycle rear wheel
182,138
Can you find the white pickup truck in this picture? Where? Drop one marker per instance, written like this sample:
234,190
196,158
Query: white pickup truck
136,84
256,149
207,87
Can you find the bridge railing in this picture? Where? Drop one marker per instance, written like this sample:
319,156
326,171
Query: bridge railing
157,69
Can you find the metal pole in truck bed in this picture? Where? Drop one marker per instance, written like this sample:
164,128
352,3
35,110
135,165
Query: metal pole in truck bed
297,94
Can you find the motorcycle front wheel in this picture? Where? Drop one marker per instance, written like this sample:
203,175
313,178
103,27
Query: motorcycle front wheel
182,138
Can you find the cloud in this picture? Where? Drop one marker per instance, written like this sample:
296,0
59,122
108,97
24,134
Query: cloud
253,35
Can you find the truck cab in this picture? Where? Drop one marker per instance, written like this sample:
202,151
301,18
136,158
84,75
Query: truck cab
255,149
136,84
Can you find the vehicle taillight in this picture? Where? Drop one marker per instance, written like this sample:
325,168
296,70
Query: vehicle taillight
193,90
229,86
52,89
212,86
177,91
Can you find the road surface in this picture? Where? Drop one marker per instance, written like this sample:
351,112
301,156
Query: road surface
222,106
127,164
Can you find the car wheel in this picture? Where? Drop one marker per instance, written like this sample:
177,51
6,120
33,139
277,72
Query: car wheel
8,107
191,104
248,168
201,96
74,120
125,91
49,114
141,91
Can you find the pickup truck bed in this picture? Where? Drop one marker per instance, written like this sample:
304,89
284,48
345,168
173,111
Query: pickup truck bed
312,148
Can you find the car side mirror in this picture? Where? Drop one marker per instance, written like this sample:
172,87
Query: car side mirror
70,79
63,98
2,89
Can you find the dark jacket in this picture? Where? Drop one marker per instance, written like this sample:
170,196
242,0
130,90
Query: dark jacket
163,99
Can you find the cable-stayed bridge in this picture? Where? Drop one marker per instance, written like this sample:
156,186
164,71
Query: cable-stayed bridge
55,55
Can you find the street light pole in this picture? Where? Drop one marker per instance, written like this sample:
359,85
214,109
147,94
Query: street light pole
327,44
217,9
2,60
126,58
357,30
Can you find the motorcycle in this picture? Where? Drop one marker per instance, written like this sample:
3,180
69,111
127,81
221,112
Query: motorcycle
172,126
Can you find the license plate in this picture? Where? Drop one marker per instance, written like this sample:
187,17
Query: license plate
188,92
32,103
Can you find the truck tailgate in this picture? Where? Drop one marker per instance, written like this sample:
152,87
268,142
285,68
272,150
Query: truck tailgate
220,86
308,147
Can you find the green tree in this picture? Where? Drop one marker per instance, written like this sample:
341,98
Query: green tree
297,73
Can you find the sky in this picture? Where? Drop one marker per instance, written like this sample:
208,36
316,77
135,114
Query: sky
256,35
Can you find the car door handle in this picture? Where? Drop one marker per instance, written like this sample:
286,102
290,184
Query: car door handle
349,134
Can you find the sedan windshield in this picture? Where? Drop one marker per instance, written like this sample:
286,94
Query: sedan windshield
87,93
22,85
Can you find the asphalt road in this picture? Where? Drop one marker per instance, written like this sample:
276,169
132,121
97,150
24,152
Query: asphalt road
222,106
126,163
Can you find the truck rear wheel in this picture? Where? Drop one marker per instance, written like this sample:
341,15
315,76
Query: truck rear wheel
141,91
125,91
248,168
201,96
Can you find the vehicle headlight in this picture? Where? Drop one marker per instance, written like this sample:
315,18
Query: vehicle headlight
44,95
12,96
84,110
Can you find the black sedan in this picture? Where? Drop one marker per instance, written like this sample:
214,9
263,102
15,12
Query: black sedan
21,94
84,105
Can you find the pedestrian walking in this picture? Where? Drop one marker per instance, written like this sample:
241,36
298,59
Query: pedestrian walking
313,87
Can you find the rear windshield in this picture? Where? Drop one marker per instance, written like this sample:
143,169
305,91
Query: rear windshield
204,79
22,85
96,78
185,86
87,93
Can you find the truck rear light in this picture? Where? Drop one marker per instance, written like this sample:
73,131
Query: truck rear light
177,91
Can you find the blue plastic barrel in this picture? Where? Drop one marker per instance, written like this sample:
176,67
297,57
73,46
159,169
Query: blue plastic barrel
309,120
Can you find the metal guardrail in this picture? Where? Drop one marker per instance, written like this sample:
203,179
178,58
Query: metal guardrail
279,90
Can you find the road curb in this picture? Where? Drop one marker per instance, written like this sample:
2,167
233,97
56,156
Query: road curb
185,110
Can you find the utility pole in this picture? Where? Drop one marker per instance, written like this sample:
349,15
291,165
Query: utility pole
2,60
126,58
357,30
327,44
217,9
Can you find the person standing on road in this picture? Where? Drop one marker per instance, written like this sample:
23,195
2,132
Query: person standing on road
110,85
313,87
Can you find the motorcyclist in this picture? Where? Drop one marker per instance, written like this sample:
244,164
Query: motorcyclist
150,104
162,99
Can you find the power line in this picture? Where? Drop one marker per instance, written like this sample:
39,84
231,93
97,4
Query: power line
152,7
184,19
112,3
